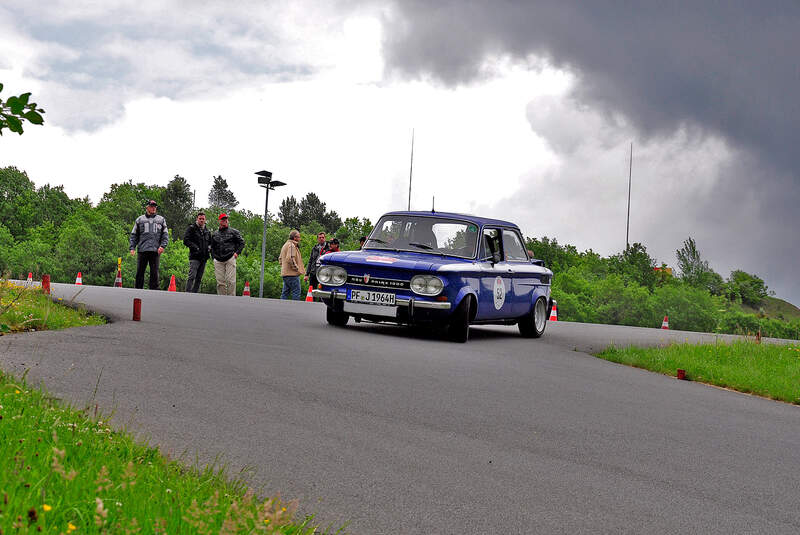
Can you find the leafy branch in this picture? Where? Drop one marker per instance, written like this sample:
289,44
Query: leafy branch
15,110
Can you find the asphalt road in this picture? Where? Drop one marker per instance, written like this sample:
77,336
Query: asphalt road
400,432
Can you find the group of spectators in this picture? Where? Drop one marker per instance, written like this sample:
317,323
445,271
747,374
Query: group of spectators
150,236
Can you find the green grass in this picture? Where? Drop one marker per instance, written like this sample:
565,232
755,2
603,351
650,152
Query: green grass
28,309
768,370
65,471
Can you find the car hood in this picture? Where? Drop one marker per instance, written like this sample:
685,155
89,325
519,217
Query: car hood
390,260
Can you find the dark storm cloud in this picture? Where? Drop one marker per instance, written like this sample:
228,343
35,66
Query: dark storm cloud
726,69
729,66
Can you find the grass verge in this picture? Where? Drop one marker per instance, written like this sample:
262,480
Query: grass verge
24,308
768,370
62,471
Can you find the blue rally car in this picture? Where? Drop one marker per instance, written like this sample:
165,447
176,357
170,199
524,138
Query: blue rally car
439,269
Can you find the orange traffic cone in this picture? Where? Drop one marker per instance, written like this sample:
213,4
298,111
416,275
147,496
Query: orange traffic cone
309,296
79,279
172,284
30,278
246,292
118,280
554,312
665,323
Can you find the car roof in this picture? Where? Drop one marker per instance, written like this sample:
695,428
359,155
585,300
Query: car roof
471,218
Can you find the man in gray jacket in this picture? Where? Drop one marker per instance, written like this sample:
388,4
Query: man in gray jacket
151,235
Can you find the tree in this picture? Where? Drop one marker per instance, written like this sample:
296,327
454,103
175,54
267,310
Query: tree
17,201
177,205
311,209
16,110
289,212
124,202
690,264
220,196
331,221
634,264
748,288
695,271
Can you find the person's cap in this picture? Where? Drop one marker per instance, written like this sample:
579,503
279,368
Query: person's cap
223,216
151,202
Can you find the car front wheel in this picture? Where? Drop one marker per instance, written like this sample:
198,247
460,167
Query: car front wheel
533,324
338,319
458,328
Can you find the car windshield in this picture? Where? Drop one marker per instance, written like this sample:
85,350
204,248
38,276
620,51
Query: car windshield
424,234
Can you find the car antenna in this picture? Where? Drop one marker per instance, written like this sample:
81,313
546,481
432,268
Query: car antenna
433,204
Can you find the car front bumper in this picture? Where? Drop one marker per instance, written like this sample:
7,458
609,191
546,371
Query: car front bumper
400,301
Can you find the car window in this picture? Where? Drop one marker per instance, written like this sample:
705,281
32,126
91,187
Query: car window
491,242
512,245
425,234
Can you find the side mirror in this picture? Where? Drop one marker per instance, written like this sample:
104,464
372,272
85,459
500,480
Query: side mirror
536,262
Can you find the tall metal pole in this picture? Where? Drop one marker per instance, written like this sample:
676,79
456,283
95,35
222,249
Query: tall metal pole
263,245
411,170
630,172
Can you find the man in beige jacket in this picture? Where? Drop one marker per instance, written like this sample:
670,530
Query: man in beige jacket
291,266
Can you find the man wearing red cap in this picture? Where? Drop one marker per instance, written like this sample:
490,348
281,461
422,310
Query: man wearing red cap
226,246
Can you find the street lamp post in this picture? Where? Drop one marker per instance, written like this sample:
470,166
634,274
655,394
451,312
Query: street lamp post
266,182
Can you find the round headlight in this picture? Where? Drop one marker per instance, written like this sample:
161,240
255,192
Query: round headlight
338,276
434,286
418,285
426,285
324,274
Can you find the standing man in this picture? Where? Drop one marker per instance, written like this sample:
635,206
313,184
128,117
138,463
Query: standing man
198,239
151,236
316,252
226,246
291,266
334,247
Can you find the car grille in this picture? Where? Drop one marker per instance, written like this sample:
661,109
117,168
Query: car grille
377,282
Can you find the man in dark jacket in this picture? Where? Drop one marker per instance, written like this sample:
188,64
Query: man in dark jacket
151,236
316,251
198,240
226,245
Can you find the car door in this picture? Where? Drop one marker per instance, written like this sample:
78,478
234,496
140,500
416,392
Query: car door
522,273
495,299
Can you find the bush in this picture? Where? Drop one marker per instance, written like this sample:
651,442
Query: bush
688,308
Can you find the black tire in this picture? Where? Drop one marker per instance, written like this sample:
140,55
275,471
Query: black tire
337,319
534,322
458,328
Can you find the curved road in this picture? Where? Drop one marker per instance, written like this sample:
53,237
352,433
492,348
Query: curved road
400,432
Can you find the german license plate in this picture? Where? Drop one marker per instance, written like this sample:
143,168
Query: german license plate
372,298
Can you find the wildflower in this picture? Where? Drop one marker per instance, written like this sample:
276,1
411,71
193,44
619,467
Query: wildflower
266,520
16,391
46,508
71,527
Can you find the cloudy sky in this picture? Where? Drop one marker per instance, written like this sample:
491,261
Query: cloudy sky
521,110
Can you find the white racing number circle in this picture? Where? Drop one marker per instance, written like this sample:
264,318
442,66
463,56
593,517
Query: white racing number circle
499,293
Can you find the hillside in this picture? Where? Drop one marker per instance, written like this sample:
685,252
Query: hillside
773,307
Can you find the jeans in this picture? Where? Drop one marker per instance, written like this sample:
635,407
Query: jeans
196,270
144,258
291,285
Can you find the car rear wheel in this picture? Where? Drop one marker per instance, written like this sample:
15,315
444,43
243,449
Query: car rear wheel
458,328
533,324
338,319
